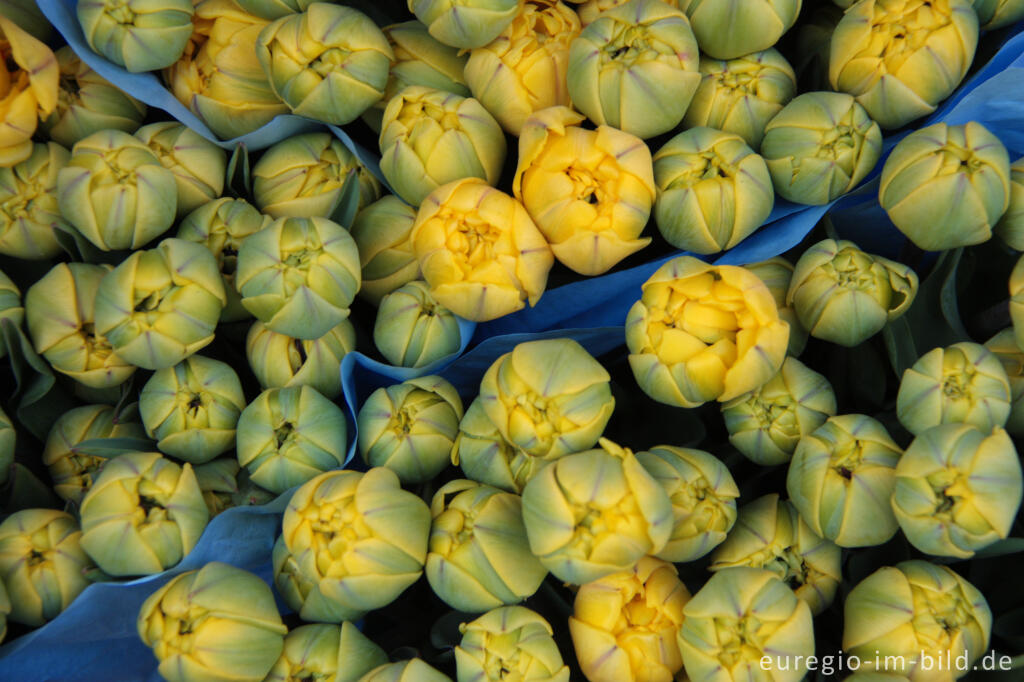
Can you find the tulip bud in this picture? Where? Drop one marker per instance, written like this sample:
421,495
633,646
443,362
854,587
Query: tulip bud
485,456
841,477
479,251
993,14
901,58
218,483
777,273
589,191
160,306
1004,346
29,216
73,472
137,35
198,165
420,59
468,24
844,295
329,63
410,427
299,275
30,78
143,514
960,384
746,27
478,557
420,129
115,191
592,9
412,329
946,186
414,670
635,68
302,593
767,423
382,233
509,641
1011,226
594,513
819,147
218,623
703,332
279,361
741,95
286,436
703,496
745,620
957,490
898,615
770,534
713,190
624,625
326,652
273,9
548,397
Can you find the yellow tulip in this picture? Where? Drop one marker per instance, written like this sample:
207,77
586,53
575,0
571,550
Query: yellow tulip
777,273
330,653
1004,346
467,23
136,34
278,360
29,82
198,165
29,213
414,330
420,59
731,31
592,9
413,670
1011,226
382,232
485,456
509,643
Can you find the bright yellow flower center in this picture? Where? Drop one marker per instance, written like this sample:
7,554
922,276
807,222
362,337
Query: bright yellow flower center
631,44
899,28
335,527
593,523
855,270
329,61
28,197
955,158
474,241
958,375
939,616
705,165
119,11
951,493
742,639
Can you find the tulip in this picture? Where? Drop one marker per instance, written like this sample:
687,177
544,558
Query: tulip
901,58
1016,301
746,624
741,95
279,361
1004,346
287,436
479,251
29,81
160,306
218,623
143,514
591,9
412,329
465,25
713,190
303,176
1011,226
524,69
29,215
770,534
819,147
432,137
273,9
326,652
420,59
635,68
703,332
509,641
329,63
749,26
993,14
410,427
382,233
841,477
198,165
777,273
900,614
957,489
590,192
946,186
10,305
844,295
73,472
485,456
302,593
961,384
138,35
225,485
767,423
478,557
414,670
298,276
594,513
703,496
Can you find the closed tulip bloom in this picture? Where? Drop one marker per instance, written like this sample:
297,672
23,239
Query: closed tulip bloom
116,192
273,9
143,514
29,81
844,295
432,137
29,214
590,192
767,423
901,58
741,95
218,623
841,477
218,482
749,26
287,436
278,360
771,534
328,652
420,59
138,35
479,251
746,624
900,614
594,513
819,147
298,276
777,273
702,332
592,9
624,625
961,384
413,670
329,63
302,593
412,329
524,69
1011,226
382,232
198,165
466,24
548,397
485,456
478,558
957,490
993,14
703,496
509,642
42,564
1004,346
635,68
946,186
160,306
713,190
410,427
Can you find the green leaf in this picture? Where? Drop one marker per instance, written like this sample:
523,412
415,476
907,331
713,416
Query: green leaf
75,245
1010,627
1001,548
39,400
112,447
24,490
900,346
238,178
348,203
444,634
